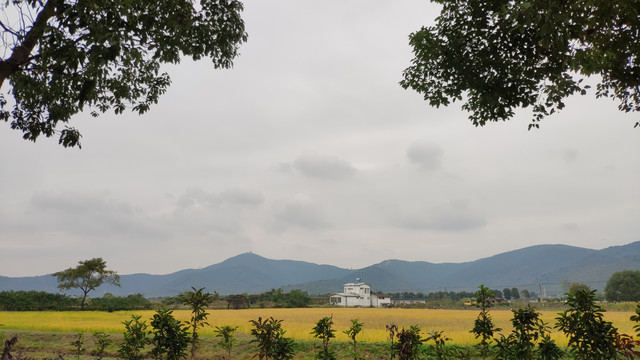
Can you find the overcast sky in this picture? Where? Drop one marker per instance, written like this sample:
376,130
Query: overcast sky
308,149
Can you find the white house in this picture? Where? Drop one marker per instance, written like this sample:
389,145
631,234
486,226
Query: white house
359,294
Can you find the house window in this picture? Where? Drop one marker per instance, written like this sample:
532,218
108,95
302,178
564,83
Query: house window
336,299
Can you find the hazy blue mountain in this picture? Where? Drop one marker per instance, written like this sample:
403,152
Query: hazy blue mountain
533,268
46,283
246,272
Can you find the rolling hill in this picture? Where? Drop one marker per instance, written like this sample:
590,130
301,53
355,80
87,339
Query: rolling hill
531,268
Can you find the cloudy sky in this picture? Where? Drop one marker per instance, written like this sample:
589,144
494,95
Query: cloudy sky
308,149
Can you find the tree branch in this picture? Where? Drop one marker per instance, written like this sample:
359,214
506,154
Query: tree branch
9,30
20,55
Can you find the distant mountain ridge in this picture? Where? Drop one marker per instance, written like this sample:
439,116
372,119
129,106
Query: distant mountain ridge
531,268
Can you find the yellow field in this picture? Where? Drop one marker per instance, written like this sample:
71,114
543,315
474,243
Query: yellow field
297,322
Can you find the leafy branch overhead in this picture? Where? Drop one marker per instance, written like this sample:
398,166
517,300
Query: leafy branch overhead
503,55
66,56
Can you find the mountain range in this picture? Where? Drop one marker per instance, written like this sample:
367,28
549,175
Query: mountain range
537,268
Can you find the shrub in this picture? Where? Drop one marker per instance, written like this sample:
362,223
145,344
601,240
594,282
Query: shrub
135,339
323,330
483,326
439,339
227,337
170,337
197,300
590,336
102,341
408,343
352,333
78,345
272,344
528,328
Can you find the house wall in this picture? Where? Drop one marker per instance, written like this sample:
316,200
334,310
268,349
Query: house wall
382,301
362,298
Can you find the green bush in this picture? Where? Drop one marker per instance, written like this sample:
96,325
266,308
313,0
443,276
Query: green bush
111,303
35,301
170,336
272,344
135,339
590,336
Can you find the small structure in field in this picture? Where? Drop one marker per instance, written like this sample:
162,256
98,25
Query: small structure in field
358,294
408,301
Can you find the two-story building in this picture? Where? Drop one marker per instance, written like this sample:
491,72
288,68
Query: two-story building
358,294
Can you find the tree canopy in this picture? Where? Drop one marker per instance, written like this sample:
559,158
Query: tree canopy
623,286
575,287
503,55
62,57
87,276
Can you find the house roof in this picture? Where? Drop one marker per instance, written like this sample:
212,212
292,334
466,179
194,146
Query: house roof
356,284
346,294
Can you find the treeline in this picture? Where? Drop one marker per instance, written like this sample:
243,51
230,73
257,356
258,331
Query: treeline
279,299
35,301
32,300
274,298
43,301
506,293
433,296
118,303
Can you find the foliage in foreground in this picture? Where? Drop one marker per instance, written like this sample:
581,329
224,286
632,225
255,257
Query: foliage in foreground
325,332
170,337
590,336
498,56
484,328
135,339
197,300
227,337
270,339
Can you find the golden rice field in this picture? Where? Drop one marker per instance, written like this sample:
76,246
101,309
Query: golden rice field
296,322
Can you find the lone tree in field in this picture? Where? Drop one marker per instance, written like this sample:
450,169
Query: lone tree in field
62,57
87,277
623,286
498,56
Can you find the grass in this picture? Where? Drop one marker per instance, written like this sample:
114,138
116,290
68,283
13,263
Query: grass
297,322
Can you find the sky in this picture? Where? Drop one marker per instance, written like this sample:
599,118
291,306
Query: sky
308,149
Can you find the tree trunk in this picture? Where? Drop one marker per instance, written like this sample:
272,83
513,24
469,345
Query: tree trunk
84,298
20,56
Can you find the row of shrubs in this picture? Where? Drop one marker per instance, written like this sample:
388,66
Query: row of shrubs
32,300
43,301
